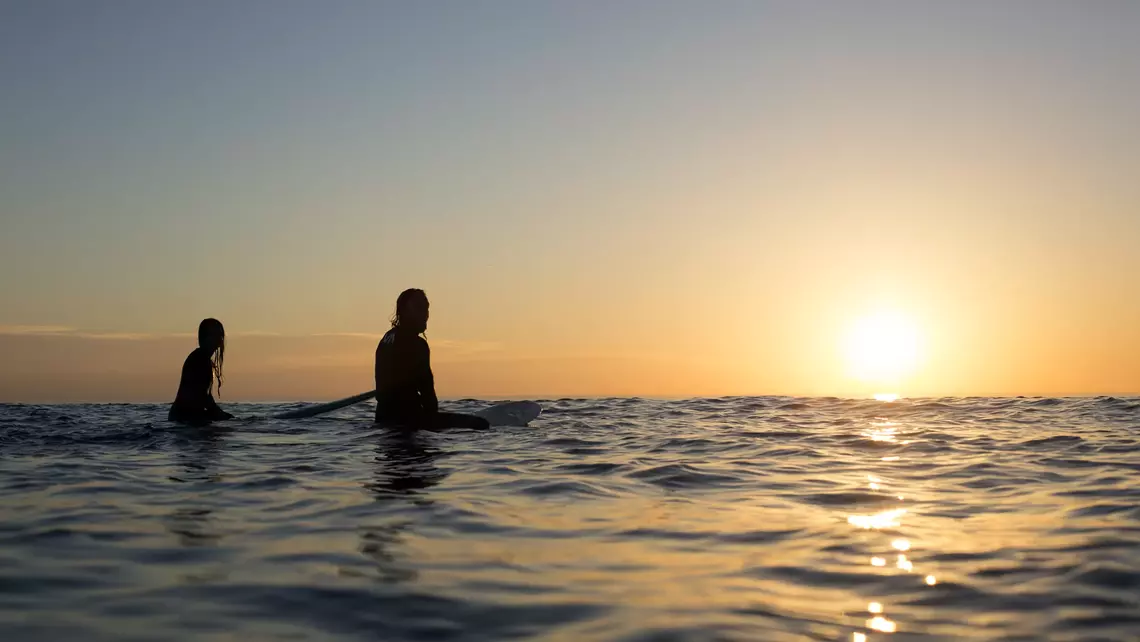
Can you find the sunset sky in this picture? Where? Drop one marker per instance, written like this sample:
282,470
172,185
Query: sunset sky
642,197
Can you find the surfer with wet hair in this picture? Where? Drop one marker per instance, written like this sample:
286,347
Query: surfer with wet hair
405,386
194,402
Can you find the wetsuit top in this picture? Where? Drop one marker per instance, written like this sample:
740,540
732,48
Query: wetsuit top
194,401
405,387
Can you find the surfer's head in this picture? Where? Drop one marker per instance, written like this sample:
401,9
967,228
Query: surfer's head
411,311
212,338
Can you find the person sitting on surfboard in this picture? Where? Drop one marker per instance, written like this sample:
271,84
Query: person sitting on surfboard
194,402
405,386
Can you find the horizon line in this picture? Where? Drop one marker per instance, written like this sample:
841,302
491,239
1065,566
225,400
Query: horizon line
558,397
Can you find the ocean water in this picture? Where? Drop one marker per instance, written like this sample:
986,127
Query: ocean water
608,519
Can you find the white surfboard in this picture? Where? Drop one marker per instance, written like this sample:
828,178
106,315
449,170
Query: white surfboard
511,413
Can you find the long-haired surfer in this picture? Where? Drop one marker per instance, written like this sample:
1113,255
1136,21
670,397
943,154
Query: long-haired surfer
194,402
405,386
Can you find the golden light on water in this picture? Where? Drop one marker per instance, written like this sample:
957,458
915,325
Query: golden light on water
882,431
885,431
886,396
880,623
905,564
885,519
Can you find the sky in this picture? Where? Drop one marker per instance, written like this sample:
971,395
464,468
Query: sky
644,197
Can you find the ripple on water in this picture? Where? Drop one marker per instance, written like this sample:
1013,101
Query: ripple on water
679,476
768,518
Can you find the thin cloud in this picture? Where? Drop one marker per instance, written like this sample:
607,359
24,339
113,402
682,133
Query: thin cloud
75,333
466,347
448,346
36,329
127,336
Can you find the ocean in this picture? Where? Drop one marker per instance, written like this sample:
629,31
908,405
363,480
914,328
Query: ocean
764,518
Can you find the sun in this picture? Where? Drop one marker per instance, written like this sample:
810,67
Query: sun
882,348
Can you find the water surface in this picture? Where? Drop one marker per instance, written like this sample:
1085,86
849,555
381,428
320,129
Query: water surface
610,519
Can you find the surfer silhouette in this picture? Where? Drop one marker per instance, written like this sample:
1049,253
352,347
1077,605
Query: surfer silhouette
194,402
405,386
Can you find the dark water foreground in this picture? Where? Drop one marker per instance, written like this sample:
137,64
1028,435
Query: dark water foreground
621,519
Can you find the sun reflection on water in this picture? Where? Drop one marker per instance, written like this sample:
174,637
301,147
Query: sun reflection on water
885,519
905,564
886,431
882,431
880,623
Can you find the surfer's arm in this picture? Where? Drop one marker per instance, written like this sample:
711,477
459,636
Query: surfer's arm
204,375
425,381
377,384
213,409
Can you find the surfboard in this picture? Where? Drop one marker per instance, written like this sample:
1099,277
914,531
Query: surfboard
511,413
322,408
